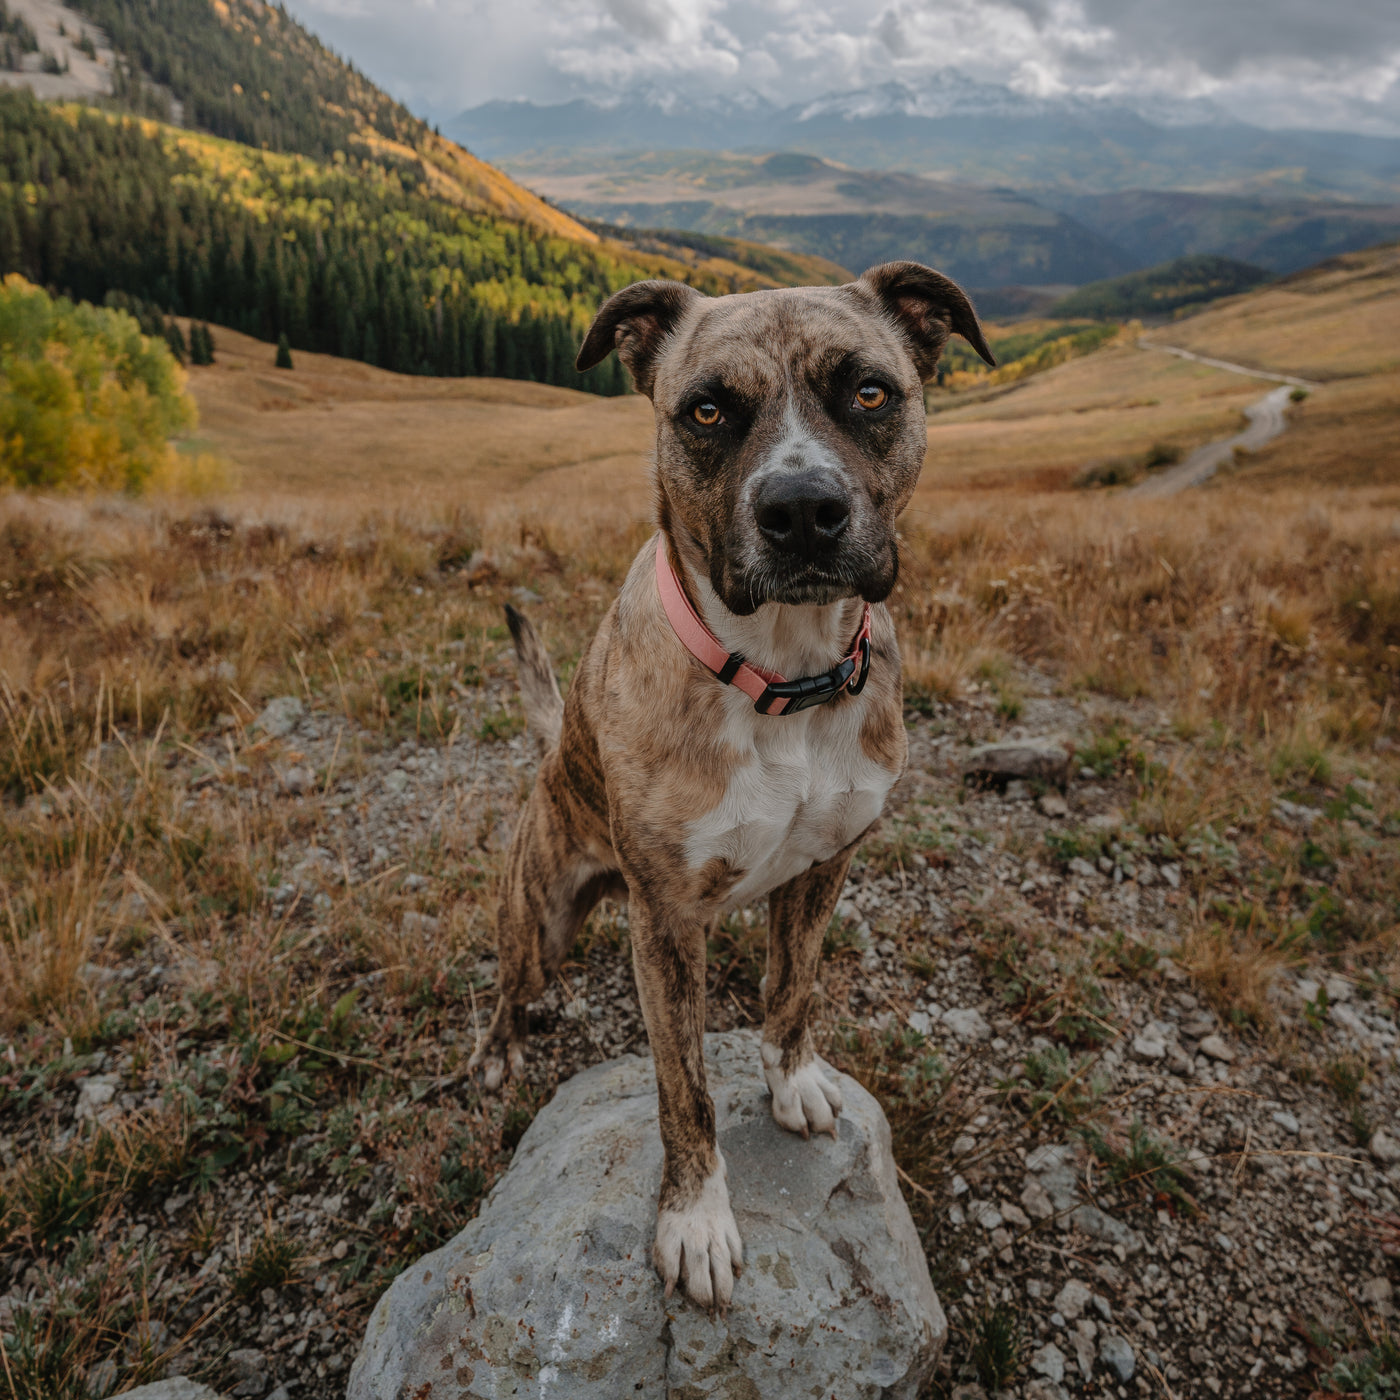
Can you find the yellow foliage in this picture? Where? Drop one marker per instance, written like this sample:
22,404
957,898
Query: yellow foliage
86,400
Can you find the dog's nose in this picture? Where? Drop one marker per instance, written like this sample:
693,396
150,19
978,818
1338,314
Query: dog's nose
802,514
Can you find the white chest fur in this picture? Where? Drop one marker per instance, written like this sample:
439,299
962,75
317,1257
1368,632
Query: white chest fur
800,790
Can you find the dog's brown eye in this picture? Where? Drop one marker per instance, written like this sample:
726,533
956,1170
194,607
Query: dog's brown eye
706,414
871,396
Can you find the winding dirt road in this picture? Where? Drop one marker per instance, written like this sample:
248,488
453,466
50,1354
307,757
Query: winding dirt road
1266,422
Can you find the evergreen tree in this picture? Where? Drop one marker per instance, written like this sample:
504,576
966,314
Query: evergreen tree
284,352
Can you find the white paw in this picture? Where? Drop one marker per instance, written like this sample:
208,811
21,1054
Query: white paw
805,1101
699,1246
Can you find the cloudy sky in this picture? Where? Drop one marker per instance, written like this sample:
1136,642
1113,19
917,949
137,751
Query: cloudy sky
1279,62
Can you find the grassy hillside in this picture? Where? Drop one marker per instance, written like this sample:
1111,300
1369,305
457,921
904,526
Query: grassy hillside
1162,290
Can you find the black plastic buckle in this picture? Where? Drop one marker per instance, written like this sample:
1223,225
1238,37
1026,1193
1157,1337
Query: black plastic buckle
810,691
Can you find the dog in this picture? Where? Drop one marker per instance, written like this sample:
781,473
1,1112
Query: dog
686,770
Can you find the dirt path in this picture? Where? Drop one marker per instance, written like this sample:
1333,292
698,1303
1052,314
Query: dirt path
1266,422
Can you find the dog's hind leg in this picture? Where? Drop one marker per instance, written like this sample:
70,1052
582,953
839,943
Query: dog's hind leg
804,1099
550,888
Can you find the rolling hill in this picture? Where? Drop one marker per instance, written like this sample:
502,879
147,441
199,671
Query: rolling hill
1160,291
983,237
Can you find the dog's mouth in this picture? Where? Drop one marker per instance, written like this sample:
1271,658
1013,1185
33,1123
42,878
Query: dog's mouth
813,584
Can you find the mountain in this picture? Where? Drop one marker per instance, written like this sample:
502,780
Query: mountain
800,203
259,182
959,128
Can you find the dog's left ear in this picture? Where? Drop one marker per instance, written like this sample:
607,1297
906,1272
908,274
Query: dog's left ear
929,307
635,322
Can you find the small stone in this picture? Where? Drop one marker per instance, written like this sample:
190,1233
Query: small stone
1053,805
298,780
1036,1199
1072,1299
1014,1215
420,925
1172,875
1286,1121
1041,759
95,1095
1214,1047
1117,1354
1384,1148
1081,867
1103,1307
1146,1048
396,780
967,1023
1377,1291
921,1023
1049,1362
1338,989
989,1218
1017,791
963,1144
1225,1244
280,716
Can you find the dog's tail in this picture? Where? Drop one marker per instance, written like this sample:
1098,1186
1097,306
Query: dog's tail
539,691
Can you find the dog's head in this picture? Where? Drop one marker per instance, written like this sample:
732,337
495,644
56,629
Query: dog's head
790,423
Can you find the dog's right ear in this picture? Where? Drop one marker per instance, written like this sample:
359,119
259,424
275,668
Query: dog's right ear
635,322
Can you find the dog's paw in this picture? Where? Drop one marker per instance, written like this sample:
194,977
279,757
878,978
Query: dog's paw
494,1060
698,1246
805,1101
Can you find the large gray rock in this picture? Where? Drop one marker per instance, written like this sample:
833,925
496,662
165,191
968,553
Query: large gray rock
550,1293
176,1388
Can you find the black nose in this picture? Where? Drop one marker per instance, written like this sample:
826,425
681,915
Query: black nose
802,514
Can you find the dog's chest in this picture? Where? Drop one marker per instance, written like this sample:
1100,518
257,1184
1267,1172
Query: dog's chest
799,789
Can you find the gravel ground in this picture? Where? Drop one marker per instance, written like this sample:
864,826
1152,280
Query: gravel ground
1125,1188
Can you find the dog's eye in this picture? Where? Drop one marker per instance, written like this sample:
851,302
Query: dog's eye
872,396
707,414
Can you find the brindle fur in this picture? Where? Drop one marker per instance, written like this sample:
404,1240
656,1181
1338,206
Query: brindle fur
643,746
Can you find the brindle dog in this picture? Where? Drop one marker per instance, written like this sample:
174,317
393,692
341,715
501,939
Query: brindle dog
790,433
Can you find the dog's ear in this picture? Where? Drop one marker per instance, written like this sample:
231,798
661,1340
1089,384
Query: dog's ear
928,307
635,322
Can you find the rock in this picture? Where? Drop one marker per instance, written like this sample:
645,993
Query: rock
95,1095
298,780
279,717
1053,805
249,1367
1117,1354
921,1022
1036,1200
1049,1362
396,780
1214,1047
176,1388
1338,989
1081,867
554,1278
967,1023
1384,1148
1377,1291
1043,760
1072,1299
1146,1048
1286,1121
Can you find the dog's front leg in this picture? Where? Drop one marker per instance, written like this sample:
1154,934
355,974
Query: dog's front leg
697,1241
804,1099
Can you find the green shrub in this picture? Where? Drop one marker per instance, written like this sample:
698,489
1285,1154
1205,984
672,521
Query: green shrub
86,400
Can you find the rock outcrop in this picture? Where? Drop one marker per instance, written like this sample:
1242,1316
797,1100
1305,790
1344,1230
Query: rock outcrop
550,1292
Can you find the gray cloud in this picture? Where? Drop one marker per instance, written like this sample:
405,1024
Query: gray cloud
1282,62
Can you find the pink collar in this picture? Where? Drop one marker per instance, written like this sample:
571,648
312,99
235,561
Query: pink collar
771,694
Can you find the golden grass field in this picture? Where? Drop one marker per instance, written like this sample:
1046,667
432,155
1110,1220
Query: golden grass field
359,559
